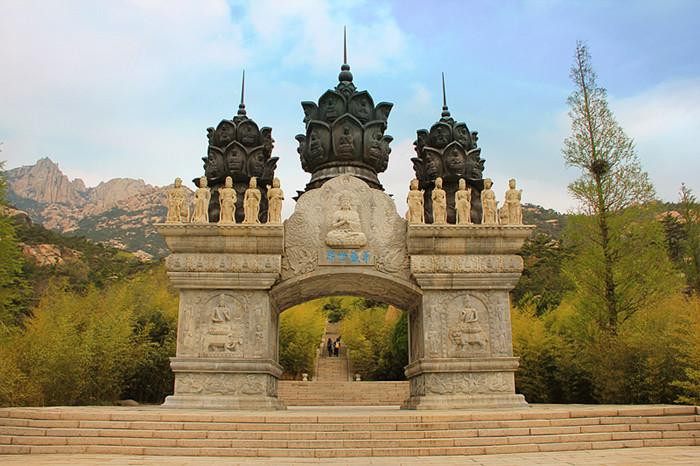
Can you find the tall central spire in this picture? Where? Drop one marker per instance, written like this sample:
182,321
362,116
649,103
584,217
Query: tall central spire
445,111
241,106
345,74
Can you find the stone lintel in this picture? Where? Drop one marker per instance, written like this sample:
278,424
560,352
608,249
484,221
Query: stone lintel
467,281
229,366
484,364
223,280
467,239
215,238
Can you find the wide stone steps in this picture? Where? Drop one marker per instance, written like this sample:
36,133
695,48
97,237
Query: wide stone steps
319,393
154,431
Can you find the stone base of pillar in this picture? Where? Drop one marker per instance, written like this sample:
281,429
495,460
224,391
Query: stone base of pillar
225,384
252,403
463,383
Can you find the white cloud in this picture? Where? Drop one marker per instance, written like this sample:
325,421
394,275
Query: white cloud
665,124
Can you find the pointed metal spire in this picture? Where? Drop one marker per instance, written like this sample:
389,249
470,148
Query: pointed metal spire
345,74
241,106
445,111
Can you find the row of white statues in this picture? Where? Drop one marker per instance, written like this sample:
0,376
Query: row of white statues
510,214
179,206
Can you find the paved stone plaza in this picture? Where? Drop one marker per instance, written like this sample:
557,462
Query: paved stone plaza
626,456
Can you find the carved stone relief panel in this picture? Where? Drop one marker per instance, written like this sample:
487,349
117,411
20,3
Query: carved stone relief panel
471,383
225,324
224,384
345,213
223,263
478,263
456,325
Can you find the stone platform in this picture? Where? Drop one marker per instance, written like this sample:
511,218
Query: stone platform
343,432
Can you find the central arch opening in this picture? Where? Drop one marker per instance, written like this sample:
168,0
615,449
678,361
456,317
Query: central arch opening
344,338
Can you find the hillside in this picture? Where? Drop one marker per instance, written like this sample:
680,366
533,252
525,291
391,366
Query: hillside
119,212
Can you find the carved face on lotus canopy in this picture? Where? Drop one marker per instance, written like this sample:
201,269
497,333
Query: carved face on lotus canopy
235,161
213,168
361,107
455,161
375,145
247,133
432,165
256,163
226,132
462,136
315,148
332,107
440,136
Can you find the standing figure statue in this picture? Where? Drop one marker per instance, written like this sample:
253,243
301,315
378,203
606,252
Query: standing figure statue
178,207
489,204
512,204
275,196
201,202
251,202
227,201
463,203
439,203
416,215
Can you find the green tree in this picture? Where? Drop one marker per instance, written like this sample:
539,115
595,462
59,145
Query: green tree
300,331
12,284
542,283
690,242
620,266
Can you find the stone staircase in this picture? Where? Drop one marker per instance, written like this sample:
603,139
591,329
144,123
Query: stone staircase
316,393
332,369
328,433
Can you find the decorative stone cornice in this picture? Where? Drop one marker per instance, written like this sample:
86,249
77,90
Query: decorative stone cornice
215,238
467,239
461,365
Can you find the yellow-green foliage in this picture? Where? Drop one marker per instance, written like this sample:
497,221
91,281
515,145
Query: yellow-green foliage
301,329
567,358
687,343
92,347
371,338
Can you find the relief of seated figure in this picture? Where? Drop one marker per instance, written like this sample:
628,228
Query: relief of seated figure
345,229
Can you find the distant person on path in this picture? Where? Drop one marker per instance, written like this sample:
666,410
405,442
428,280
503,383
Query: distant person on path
336,347
329,347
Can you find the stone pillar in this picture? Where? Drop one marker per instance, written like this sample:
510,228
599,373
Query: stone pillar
227,333
461,352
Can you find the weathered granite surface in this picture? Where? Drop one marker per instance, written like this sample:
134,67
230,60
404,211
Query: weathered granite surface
344,238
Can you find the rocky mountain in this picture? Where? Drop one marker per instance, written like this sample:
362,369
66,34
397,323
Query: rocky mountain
119,212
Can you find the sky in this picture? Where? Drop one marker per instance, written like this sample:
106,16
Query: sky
127,88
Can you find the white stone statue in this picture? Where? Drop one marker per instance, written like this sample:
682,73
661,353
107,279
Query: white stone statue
463,203
251,202
201,202
512,204
439,203
489,204
178,207
346,230
275,196
416,215
227,201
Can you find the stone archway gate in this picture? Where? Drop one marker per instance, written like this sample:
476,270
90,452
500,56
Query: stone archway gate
453,280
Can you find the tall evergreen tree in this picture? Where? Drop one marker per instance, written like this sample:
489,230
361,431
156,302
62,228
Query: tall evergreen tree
622,264
12,284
